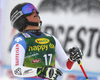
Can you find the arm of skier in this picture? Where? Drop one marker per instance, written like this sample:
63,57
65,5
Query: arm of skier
17,58
65,61
61,56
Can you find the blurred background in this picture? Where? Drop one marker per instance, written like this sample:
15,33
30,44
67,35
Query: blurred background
72,22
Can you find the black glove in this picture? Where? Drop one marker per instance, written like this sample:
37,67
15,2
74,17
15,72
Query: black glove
75,54
48,72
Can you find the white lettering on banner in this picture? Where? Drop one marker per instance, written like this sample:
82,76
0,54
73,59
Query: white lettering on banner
17,55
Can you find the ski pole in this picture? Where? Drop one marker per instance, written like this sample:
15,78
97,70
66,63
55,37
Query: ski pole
80,64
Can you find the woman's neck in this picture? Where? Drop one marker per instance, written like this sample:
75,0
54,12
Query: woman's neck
29,27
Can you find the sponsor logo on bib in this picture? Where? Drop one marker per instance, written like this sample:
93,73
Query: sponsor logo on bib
42,40
36,61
